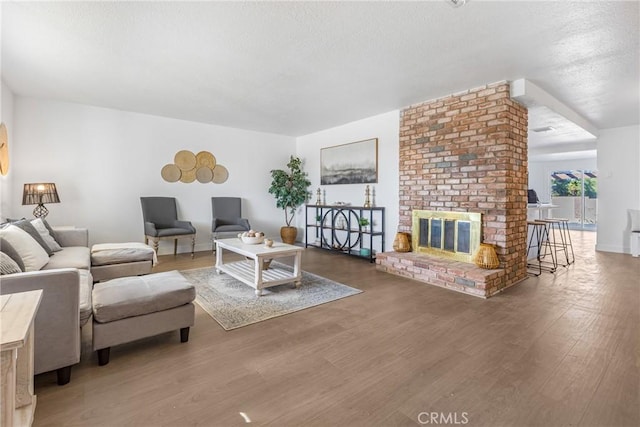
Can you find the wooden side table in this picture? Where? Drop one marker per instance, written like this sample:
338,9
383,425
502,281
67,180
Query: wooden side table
17,313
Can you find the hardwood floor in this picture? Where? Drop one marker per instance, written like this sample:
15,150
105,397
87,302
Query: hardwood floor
559,349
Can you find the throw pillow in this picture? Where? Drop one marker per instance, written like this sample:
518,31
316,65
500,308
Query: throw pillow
33,255
51,231
25,225
11,220
39,225
9,250
8,265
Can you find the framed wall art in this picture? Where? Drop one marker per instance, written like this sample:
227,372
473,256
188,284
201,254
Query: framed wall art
353,163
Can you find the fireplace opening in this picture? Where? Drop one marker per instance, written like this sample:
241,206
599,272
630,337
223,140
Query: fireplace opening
454,235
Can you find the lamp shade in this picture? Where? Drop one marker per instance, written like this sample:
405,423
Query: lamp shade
40,193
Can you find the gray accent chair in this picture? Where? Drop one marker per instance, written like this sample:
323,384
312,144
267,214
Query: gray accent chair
160,215
227,217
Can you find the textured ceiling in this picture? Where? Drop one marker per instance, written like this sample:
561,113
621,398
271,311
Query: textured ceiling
299,67
564,131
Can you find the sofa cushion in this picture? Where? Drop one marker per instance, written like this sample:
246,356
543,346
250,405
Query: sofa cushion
9,250
163,232
8,265
70,257
32,254
135,296
42,229
26,225
86,283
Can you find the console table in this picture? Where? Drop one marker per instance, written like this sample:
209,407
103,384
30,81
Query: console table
338,228
17,312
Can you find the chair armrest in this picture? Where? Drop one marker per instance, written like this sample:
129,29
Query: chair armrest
244,222
215,223
57,323
184,224
150,229
72,236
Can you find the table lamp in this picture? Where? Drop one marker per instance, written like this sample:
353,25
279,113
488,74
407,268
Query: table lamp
39,194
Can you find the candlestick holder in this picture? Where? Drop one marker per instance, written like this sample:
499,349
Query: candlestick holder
367,197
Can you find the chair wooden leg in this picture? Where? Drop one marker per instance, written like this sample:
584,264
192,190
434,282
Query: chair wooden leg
193,245
154,244
175,247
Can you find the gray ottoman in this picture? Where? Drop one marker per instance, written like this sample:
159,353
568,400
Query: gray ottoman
131,308
113,260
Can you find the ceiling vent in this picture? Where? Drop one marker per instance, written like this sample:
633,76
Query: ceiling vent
543,129
457,3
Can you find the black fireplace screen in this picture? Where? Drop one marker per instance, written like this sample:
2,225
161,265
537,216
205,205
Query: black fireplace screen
436,233
449,235
464,237
424,232
441,234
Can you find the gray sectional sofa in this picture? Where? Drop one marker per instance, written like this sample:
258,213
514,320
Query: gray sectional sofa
65,307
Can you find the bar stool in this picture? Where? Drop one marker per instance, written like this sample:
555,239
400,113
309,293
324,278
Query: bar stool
540,232
564,226
557,241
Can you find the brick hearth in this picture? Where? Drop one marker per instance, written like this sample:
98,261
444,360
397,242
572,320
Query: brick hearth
449,274
467,152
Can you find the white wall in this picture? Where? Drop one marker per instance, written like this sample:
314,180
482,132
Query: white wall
385,127
103,160
618,186
6,182
540,172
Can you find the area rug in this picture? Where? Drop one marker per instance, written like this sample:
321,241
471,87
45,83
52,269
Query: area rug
234,305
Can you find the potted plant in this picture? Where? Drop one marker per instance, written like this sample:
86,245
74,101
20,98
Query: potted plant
364,223
318,219
290,188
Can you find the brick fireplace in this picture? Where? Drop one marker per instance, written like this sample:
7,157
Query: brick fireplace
466,152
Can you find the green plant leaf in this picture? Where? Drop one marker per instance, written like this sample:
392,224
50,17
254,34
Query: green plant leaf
290,189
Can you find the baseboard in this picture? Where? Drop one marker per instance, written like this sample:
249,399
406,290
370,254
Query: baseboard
613,248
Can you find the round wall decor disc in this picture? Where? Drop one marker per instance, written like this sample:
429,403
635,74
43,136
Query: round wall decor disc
220,174
171,173
205,158
204,174
188,176
4,150
185,160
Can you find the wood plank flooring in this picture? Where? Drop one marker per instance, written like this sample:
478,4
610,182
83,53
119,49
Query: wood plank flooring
554,350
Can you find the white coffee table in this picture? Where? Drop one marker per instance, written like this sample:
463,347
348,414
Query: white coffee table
251,272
